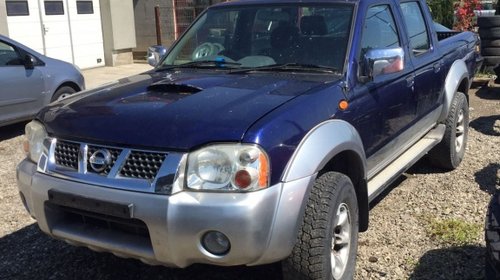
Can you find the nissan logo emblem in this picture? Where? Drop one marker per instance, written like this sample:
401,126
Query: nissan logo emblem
99,160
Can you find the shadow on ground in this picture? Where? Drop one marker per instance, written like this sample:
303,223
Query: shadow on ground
30,254
454,263
488,178
489,93
489,125
11,131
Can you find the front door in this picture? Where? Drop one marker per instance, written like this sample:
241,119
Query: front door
22,89
386,105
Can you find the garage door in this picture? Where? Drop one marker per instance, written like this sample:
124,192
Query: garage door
69,30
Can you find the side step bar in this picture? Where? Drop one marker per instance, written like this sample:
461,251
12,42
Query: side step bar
390,173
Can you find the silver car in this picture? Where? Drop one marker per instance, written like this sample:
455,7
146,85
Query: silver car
29,81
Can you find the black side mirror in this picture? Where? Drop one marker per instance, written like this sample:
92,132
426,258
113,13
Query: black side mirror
29,62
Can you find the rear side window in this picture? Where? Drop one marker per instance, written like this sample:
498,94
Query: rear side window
379,30
416,28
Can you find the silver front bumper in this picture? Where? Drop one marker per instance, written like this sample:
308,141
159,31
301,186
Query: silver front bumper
261,226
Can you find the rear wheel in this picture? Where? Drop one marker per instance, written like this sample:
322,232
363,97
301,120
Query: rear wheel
451,150
328,238
62,93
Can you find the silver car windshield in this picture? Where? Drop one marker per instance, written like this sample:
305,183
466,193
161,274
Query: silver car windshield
250,37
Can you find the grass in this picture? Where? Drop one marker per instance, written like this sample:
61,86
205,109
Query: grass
455,232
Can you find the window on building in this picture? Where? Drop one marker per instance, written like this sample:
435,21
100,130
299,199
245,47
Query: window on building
379,30
53,8
416,28
84,7
17,8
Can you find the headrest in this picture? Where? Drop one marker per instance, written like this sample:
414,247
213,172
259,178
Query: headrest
313,25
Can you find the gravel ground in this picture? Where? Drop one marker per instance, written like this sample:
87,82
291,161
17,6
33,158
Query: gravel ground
398,244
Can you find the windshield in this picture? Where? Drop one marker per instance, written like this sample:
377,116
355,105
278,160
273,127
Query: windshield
259,36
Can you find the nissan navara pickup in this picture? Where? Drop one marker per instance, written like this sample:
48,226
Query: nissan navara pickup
261,135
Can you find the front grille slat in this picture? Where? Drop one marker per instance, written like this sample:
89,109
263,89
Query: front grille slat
123,163
142,165
66,154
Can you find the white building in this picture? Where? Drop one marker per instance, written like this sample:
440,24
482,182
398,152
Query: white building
87,33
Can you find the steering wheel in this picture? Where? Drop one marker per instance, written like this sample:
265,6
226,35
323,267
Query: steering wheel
206,49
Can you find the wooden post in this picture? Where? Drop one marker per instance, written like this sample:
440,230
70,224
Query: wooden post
158,26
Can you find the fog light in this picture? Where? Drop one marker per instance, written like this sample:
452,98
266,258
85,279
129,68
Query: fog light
215,243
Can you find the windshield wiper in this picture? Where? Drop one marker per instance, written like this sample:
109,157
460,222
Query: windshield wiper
289,67
200,64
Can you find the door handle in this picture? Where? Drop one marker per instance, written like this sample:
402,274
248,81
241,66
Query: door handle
410,81
437,66
45,29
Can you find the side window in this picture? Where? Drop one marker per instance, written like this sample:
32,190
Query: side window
17,8
416,28
379,30
9,56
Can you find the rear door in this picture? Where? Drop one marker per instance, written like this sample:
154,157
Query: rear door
21,89
427,61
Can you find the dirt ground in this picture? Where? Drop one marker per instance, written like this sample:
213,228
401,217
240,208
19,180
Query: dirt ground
398,244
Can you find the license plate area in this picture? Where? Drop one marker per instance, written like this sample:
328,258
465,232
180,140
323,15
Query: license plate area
91,205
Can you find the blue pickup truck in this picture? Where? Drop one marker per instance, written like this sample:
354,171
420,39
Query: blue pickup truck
261,135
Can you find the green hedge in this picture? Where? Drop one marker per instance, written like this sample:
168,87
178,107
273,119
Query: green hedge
442,11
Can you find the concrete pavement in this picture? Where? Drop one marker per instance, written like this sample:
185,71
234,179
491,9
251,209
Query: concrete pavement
98,76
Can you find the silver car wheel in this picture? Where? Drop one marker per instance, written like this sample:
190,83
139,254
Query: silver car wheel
341,241
459,131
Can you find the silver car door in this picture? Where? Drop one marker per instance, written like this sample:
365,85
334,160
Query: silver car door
21,90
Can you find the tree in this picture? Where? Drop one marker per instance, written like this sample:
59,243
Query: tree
442,11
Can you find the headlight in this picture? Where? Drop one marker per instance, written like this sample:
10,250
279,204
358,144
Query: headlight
33,144
228,167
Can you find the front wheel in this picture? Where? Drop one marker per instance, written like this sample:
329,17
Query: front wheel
451,150
328,238
62,92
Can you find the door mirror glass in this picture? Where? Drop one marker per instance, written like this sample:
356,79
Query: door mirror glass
155,53
29,62
383,61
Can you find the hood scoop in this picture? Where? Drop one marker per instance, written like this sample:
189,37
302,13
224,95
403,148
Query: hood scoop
168,87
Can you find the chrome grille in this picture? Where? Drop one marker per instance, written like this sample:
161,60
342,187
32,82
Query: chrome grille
142,165
66,154
114,155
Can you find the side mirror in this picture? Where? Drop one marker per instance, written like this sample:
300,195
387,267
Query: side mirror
383,61
155,53
29,62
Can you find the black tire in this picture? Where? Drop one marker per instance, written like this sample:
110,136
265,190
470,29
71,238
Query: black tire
451,150
331,197
488,21
491,60
489,33
491,51
490,43
62,92
492,238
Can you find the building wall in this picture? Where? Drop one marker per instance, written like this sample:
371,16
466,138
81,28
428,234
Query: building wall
145,25
118,31
4,30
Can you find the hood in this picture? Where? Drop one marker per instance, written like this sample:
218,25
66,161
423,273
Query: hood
176,111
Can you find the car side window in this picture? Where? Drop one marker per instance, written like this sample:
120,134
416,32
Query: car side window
416,28
379,30
8,55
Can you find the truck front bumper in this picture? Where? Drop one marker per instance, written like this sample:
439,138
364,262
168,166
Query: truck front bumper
261,226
